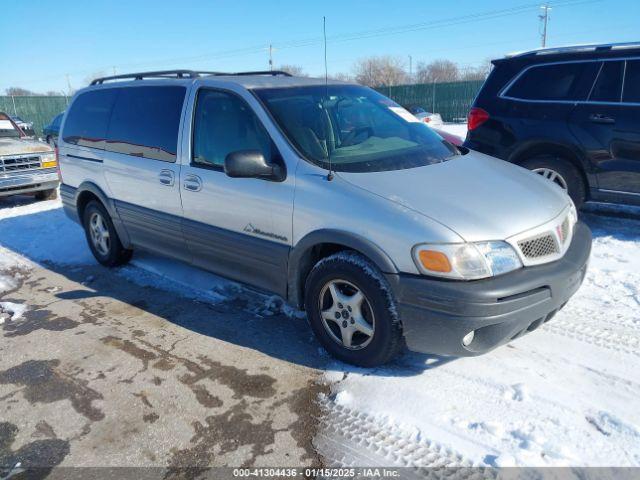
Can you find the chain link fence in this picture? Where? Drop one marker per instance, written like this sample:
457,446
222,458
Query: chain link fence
37,109
451,100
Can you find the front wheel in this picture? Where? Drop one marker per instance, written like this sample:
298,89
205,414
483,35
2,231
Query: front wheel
352,311
102,236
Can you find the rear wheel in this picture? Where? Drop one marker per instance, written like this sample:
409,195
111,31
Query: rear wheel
50,194
352,311
561,172
102,236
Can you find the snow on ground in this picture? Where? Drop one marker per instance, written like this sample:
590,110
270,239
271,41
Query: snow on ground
566,394
459,129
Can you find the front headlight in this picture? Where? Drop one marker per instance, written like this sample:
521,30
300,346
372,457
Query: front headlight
466,261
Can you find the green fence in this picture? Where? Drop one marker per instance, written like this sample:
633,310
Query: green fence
451,100
37,109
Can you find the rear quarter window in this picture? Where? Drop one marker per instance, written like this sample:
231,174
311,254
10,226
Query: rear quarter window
608,86
632,82
88,118
562,81
145,122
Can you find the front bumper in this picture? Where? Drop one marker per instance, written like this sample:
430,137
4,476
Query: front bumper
437,314
27,182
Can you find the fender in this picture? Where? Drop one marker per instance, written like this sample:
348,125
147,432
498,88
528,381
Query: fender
108,204
301,261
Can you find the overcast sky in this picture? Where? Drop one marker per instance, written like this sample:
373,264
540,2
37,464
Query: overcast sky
44,41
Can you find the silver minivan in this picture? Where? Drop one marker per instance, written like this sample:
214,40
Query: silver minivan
328,194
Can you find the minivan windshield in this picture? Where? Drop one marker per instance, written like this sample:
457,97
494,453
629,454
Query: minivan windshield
354,127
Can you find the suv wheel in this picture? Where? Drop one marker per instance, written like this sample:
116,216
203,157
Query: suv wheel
50,194
352,311
562,172
102,236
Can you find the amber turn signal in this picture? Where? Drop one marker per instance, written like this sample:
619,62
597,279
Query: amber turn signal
434,261
51,164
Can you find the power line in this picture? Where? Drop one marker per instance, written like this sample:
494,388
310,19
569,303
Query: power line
347,37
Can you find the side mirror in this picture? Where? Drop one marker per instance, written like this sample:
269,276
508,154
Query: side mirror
251,164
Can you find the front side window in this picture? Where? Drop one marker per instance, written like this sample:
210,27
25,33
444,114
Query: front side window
88,118
145,122
564,81
223,124
609,83
632,82
354,128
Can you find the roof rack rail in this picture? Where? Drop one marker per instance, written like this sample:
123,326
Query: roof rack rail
576,48
260,72
177,74
157,74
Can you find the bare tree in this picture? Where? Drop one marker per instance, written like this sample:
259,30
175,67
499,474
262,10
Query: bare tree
18,91
295,70
480,72
380,71
343,77
437,71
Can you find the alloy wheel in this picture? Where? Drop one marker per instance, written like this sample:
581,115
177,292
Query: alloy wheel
99,234
346,314
553,176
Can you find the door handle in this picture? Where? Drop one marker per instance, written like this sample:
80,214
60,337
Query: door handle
600,118
193,183
166,177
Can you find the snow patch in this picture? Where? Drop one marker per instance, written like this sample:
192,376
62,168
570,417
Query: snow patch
14,310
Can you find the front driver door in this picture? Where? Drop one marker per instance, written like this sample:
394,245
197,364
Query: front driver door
237,227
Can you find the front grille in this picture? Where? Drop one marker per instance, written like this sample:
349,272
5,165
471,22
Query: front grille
17,164
538,247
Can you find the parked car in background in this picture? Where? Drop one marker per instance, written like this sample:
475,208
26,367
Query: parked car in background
329,195
51,131
26,166
570,114
26,127
449,137
432,119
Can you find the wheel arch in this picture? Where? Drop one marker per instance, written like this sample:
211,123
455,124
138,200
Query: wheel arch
88,191
322,243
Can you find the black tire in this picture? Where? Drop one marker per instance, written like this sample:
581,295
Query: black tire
115,254
387,340
50,194
576,187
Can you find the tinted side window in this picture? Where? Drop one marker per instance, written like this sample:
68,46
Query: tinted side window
565,81
88,118
632,82
609,83
145,122
223,124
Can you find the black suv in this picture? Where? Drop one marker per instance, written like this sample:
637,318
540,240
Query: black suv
571,114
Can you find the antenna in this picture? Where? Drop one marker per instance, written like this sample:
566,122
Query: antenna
326,88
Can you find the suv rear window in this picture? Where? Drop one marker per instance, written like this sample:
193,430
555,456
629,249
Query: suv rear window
88,118
563,81
145,122
609,83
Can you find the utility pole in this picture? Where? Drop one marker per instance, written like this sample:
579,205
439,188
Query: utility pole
544,18
114,70
270,57
410,67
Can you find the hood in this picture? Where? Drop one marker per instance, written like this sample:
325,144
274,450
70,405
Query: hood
477,196
21,146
